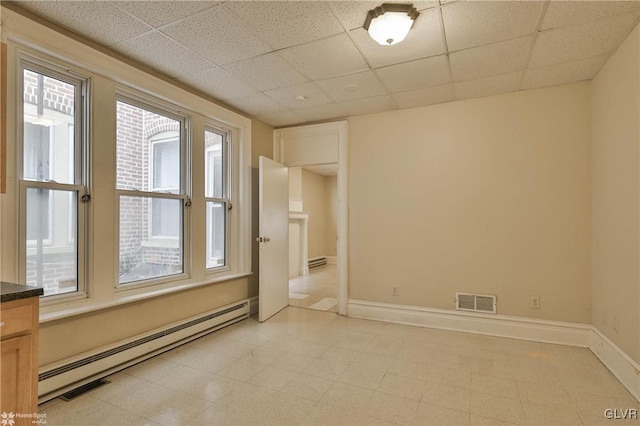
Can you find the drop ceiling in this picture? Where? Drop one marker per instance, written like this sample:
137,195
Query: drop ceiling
294,62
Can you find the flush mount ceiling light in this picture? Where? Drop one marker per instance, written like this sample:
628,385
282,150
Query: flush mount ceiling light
390,23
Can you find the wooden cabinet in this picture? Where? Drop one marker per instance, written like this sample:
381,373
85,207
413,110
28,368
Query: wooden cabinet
19,362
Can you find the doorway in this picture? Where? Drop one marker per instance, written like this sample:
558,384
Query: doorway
322,145
313,231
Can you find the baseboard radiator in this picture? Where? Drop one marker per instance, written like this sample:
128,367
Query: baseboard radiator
316,262
61,377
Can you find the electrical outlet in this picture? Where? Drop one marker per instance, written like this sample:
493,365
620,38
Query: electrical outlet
395,290
534,302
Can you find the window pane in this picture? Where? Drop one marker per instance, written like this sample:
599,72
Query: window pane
49,115
51,240
216,234
147,142
213,164
166,165
142,254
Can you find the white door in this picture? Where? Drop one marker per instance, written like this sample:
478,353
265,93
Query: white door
273,239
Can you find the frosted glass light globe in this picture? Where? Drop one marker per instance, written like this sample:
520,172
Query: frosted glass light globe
390,28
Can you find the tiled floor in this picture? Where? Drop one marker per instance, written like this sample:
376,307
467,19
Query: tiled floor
318,290
311,367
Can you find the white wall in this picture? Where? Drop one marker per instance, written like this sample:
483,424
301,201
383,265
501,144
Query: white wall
616,197
490,195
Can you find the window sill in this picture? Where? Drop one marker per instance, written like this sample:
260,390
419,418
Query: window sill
161,244
73,308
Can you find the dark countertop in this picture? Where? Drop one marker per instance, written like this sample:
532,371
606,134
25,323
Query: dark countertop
11,291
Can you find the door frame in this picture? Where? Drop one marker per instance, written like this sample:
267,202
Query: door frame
335,134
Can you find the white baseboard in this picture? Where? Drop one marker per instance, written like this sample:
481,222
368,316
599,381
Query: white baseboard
253,305
616,360
563,333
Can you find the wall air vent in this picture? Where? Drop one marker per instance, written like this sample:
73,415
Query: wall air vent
476,302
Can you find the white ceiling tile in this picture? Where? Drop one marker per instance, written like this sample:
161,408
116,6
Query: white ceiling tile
99,21
219,84
353,86
488,86
490,59
258,104
567,72
422,97
424,39
287,96
354,13
266,72
369,105
475,23
282,119
163,54
567,13
416,74
326,58
217,35
158,13
322,112
282,24
582,41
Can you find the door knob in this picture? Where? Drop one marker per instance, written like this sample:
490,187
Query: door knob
267,239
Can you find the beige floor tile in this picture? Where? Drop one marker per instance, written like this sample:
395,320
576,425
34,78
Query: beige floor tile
499,386
446,396
293,362
273,378
163,405
348,396
325,414
536,414
404,387
594,406
362,376
285,371
496,407
543,394
428,414
199,359
330,370
412,369
392,408
450,374
199,384
241,369
309,387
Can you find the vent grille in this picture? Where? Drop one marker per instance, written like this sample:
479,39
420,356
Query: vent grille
318,261
476,302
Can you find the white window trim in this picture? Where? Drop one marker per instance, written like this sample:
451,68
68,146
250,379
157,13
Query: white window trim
226,153
53,69
164,241
150,104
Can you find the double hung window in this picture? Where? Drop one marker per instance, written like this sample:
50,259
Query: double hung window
151,187
53,178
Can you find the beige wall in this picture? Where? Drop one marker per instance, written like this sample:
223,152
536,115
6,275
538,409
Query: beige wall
616,197
313,203
489,195
331,215
261,145
70,337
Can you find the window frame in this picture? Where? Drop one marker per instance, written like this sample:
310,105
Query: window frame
154,105
226,198
153,142
81,173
